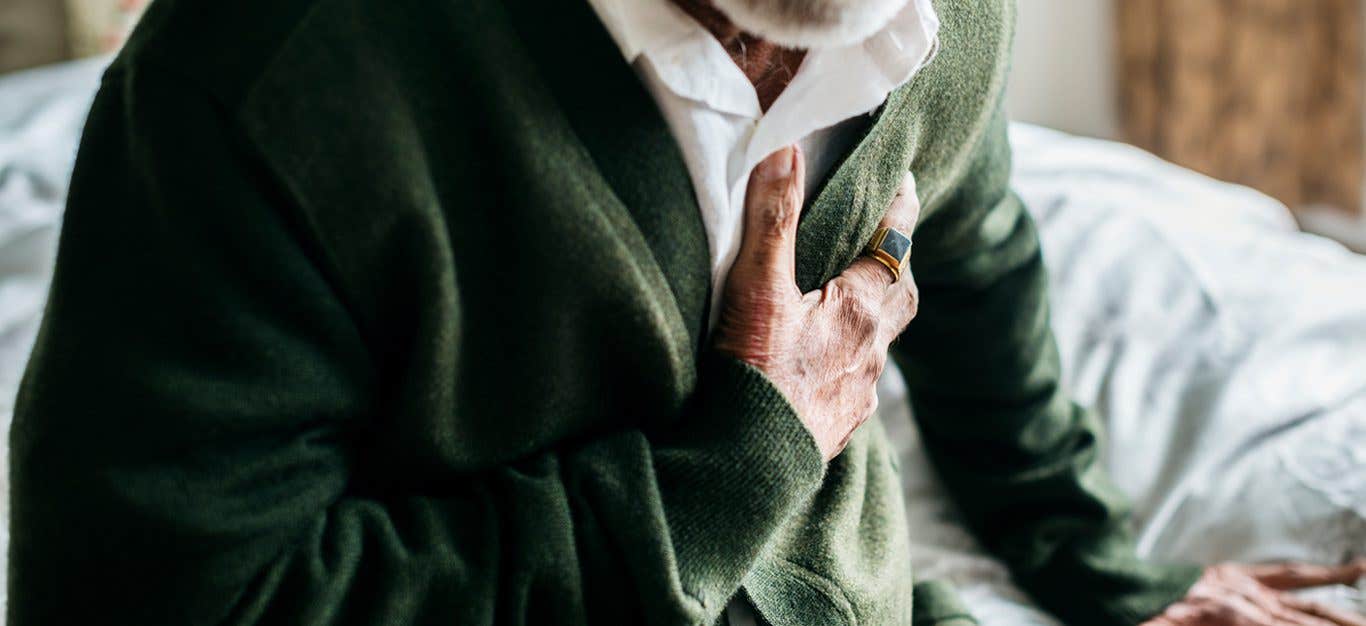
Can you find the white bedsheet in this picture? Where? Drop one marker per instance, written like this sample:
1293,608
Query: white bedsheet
1225,351
41,114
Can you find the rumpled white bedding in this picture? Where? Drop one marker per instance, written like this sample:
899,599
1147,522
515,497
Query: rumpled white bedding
1225,351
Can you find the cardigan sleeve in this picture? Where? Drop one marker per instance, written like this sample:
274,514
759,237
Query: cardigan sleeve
188,431
1019,458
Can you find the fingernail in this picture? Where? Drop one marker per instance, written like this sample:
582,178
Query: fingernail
778,165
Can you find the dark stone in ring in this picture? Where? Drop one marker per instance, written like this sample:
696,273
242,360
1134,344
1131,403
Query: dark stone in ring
891,248
897,245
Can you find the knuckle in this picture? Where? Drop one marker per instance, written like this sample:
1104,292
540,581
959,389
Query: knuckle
908,185
869,408
877,277
840,290
866,277
856,277
910,305
780,209
904,212
859,316
912,209
834,292
874,367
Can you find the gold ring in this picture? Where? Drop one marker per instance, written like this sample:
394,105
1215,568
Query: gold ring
891,248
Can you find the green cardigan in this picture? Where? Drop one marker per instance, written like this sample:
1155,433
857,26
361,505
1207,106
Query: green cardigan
391,312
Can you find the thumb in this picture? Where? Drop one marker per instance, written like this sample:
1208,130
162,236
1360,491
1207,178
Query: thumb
773,204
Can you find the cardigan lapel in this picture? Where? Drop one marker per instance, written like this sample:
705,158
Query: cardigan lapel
621,127
841,219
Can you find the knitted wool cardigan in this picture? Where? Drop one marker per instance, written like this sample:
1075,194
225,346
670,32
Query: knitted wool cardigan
392,312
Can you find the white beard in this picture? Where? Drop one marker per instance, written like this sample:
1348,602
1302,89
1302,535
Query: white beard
811,23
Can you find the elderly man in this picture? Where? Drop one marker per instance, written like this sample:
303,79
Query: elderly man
420,312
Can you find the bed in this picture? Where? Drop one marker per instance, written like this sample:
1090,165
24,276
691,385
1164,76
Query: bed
1225,350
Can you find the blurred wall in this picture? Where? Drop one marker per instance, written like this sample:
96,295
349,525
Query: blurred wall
38,32
1064,74
32,32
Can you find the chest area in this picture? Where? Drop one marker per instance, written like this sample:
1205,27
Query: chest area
529,261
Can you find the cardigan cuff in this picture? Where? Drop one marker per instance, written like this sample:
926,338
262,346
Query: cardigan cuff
1107,584
740,464
1169,585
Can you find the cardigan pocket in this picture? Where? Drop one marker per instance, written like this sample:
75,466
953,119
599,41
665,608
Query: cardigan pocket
784,592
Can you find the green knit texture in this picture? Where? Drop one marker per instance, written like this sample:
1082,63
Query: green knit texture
389,313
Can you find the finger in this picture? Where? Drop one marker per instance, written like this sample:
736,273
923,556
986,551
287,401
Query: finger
1300,619
1323,611
903,299
867,274
903,215
1285,613
1249,612
904,212
1288,576
1259,595
773,204
1296,618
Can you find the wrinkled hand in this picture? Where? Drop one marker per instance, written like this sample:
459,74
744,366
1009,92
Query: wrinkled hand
1254,595
826,349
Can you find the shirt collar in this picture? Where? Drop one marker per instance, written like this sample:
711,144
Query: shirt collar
831,85
694,65
641,25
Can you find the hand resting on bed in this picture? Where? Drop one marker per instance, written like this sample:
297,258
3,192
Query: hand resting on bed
1258,595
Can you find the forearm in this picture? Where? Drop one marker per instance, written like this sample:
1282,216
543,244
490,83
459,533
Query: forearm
145,522
194,440
1018,455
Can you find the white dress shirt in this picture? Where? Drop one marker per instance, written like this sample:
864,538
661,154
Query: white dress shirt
713,110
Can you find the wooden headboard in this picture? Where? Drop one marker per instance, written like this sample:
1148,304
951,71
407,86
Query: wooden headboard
37,32
1268,93
32,32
